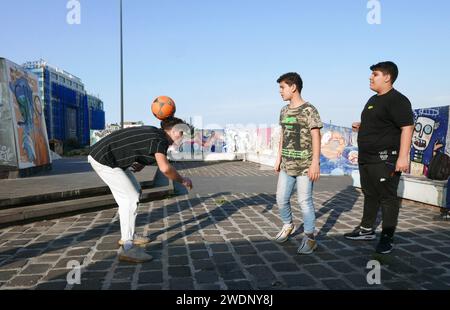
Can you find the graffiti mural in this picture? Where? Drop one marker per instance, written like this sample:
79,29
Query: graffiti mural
430,132
8,156
97,135
22,117
339,150
213,140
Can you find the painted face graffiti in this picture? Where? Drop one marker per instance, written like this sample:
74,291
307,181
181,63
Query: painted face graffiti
423,131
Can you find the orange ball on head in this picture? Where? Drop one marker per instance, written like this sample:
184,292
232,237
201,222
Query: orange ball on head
163,107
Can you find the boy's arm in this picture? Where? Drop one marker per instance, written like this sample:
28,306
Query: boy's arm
280,147
314,169
405,147
169,171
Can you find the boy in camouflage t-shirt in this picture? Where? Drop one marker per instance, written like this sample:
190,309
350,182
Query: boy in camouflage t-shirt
298,159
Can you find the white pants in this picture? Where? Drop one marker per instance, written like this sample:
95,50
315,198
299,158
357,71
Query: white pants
126,191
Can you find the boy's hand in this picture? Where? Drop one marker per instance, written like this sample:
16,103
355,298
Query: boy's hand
402,164
136,167
277,166
314,172
187,183
355,126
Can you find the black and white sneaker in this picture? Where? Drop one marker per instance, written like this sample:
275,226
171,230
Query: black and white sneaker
385,245
361,234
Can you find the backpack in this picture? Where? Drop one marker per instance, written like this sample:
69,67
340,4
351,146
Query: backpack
439,168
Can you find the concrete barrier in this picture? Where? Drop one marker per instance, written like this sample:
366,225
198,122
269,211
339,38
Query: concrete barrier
419,189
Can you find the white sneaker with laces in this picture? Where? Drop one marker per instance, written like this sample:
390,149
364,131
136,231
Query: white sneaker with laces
286,231
307,246
135,254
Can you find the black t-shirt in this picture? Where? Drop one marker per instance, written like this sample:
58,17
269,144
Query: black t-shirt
123,147
380,130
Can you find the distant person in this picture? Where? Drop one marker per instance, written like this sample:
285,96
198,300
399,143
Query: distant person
116,156
384,141
298,161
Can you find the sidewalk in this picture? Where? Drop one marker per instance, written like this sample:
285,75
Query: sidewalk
70,177
219,237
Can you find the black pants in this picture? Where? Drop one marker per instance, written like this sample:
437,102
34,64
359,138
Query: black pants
379,183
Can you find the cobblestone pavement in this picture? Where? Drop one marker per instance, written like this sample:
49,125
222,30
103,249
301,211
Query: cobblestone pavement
222,240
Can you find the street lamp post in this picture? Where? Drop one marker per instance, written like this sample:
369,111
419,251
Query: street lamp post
121,68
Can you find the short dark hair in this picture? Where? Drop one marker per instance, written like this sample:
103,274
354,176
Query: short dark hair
387,67
170,122
291,78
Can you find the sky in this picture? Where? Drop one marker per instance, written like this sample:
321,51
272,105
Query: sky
220,59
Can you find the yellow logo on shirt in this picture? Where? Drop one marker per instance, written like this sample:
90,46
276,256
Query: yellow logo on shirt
370,107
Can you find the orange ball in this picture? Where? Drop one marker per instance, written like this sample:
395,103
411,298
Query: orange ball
163,107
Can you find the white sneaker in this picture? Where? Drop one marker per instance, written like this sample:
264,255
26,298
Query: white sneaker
307,246
286,231
135,254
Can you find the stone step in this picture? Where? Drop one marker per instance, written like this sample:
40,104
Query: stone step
36,212
48,189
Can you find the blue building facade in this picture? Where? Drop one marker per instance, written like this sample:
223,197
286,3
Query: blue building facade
66,105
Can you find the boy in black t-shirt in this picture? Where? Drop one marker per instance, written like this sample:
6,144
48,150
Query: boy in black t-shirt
384,142
116,156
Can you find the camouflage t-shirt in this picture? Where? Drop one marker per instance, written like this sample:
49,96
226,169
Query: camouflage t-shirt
296,125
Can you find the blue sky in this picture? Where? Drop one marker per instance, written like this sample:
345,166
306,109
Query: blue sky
220,59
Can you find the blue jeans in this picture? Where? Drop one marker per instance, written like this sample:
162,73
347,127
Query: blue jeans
286,184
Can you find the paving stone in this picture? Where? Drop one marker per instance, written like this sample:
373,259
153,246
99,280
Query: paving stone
124,273
223,258
336,284
100,265
57,275
320,271
7,275
64,262
285,267
179,272
52,286
181,250
178,261
150,287
239,285
341,267
260,272
150,277
36,269
88,285
298,280
206,276
104,255
249,260
23,281
275,257
181,284
13,264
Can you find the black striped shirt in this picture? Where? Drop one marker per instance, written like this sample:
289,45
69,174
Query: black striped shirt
123,147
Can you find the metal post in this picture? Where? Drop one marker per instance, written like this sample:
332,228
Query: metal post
121,68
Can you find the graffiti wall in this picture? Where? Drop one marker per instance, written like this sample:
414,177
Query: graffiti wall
430,133
339,150
23,117
8,155
97,135
339,145
203,142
